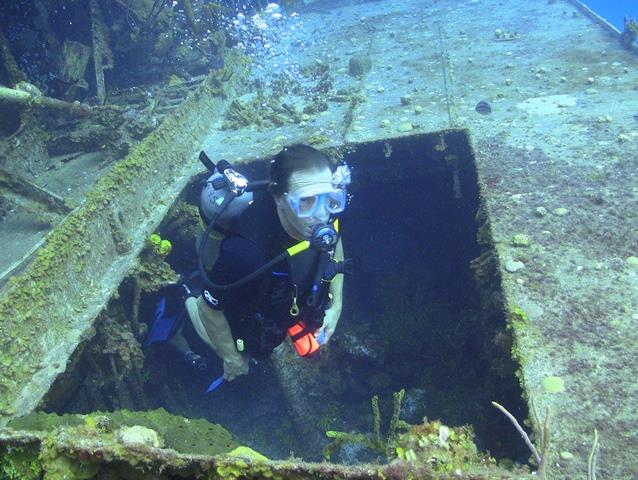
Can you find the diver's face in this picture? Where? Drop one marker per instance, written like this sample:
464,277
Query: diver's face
302,184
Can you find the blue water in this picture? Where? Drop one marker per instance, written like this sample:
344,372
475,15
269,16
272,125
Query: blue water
614,11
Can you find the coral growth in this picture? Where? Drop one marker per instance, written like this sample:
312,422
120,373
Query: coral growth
19,463
375,442
630,33
80,446
432,446
195,436
153,272
445,449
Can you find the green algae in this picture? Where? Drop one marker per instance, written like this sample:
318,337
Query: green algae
247,452
67,271
553,384
242,467
92,446
60,467
632,261
74,453
194,436
518,321
19,463
445,449
520,240
519,316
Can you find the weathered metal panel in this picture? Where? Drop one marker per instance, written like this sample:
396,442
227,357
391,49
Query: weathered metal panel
48,309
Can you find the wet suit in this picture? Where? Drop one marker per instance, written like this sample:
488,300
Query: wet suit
259,312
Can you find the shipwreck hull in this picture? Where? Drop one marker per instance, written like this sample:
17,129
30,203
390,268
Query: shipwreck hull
444,156
85,258
554,165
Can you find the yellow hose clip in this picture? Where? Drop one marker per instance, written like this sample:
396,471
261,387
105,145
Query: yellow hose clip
298,248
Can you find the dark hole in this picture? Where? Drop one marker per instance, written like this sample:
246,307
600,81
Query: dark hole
9,120
412,224
416,317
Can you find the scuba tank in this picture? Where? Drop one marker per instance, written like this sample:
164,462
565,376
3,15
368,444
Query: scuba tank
223,189
211,199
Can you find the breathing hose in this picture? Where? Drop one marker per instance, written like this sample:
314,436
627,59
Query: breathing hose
229,197
322,238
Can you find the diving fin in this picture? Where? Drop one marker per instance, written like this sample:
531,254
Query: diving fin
216,383
163,325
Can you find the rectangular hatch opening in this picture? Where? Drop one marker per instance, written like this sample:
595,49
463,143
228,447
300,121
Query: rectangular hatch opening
422,314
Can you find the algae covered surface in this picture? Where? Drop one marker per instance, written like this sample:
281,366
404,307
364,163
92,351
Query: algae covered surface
194,436
117,445
74,446
86,257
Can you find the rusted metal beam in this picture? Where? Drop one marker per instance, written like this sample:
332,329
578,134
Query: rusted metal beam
34,193
36,100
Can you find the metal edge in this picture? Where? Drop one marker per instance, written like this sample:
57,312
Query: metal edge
600,21
594,16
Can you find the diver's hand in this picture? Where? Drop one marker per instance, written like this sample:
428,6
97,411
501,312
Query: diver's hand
330,320
235,365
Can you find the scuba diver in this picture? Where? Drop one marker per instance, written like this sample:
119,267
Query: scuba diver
269,261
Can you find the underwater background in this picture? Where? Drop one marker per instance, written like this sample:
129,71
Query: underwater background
614,12
492,216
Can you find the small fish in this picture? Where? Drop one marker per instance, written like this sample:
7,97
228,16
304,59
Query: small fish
483,108
636,116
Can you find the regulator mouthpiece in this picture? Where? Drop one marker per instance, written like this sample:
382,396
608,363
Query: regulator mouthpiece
324,237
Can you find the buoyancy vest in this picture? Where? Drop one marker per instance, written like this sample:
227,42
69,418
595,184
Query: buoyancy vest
282,304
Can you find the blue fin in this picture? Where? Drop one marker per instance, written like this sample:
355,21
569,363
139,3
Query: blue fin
163,325
216,383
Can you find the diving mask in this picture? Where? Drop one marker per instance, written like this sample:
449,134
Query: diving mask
305,206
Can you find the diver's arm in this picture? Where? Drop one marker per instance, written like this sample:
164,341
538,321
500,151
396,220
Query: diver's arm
332,315
216,333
